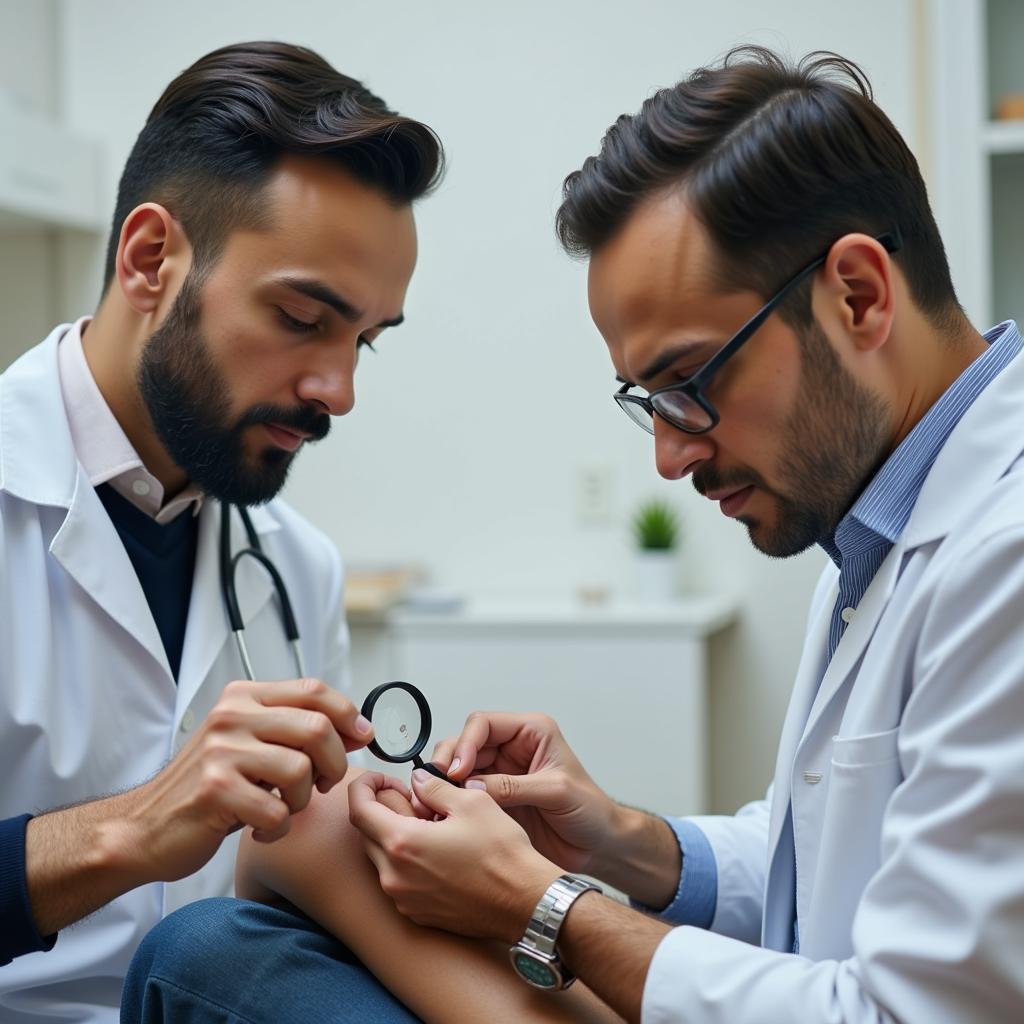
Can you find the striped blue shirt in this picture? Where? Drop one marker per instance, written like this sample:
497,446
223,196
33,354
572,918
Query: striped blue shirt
866,534
858,546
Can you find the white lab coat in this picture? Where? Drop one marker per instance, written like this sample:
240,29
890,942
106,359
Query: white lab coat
88,704
910,848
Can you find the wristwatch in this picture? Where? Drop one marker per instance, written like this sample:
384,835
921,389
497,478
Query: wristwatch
534,956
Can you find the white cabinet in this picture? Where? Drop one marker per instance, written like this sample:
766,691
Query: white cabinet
627,684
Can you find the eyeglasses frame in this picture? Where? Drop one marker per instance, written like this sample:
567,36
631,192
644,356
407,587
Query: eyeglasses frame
693,386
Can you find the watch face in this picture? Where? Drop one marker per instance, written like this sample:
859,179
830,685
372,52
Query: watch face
535,971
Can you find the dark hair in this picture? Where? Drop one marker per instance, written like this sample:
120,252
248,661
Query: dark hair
221,127
777,161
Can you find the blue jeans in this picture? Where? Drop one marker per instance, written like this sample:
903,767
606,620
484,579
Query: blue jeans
226,961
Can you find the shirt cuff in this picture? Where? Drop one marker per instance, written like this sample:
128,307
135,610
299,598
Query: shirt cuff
697,894
18,934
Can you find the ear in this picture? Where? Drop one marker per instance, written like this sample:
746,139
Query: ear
153,257
855,293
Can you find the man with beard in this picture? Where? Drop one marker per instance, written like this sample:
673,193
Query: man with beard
774,295
263,234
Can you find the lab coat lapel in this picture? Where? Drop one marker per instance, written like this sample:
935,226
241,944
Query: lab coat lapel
779,891
208,629
90,550
38,464
858,634
804,689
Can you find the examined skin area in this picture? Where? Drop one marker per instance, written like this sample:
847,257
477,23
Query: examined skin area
321,868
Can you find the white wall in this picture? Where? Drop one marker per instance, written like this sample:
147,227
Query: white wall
28,258
475,420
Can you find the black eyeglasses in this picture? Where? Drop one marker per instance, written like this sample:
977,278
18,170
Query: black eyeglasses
684,405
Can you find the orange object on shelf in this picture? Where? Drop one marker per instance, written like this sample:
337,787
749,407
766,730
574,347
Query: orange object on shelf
1010,107
372,590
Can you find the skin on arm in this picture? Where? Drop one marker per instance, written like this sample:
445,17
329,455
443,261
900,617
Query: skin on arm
321,868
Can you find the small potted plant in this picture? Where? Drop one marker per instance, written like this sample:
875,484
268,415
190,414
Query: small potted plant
656,533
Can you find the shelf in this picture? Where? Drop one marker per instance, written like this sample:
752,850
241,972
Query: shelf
1003,136
689,616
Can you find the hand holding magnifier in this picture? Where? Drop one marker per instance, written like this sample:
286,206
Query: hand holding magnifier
401,724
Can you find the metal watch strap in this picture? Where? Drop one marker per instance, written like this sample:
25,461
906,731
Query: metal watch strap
546,922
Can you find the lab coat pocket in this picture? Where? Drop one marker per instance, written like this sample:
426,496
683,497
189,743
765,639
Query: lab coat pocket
864,772
864,751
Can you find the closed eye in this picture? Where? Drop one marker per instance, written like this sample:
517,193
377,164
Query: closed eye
298,326
294,324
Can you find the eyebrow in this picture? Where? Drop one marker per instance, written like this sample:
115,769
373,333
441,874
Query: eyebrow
318,291
673,355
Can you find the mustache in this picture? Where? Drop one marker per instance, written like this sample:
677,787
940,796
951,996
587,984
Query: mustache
304,418
710,478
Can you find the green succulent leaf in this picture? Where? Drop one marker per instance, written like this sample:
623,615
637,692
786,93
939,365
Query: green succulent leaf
656,526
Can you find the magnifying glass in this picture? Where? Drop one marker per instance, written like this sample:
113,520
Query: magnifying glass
401,725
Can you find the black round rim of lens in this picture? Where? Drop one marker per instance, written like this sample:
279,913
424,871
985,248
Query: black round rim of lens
425,721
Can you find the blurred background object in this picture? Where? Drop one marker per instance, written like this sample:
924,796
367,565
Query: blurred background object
655,527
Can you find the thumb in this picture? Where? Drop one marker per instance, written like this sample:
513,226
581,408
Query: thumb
436,794
542,790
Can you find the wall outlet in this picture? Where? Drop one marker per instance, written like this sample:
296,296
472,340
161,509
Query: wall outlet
594,494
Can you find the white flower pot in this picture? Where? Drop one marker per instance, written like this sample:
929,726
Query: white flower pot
655,576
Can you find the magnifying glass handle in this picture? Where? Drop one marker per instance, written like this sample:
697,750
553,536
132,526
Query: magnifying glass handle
433,770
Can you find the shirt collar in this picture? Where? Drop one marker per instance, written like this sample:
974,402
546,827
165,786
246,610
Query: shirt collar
883,509
102,447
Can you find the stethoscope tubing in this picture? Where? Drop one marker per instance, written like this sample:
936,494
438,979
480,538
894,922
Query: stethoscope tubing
229,567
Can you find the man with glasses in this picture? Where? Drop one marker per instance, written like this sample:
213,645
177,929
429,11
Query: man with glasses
769,280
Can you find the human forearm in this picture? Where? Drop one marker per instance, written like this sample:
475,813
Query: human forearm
78,859
641,858
610,948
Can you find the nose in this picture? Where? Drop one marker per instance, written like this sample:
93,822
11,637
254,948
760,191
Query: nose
330,382
676,453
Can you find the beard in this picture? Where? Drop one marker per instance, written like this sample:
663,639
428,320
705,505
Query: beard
189,402
832,445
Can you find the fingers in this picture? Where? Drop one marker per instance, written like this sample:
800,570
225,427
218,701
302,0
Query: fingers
445,759
435,794
263,810
367,811
315,695
301,714
443,754
308,732
272,835
390,790
280,768
549,790
485,732
394,801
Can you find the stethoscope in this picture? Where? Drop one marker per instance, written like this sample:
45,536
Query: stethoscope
228,568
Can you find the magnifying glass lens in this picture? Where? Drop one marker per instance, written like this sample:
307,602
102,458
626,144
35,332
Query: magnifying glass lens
397,722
